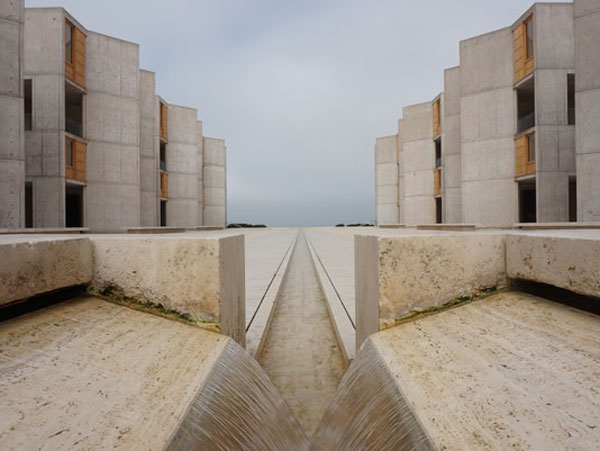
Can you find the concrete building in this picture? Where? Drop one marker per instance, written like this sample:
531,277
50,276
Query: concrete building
587,104
86,142
503,130
12,141
387,187
215,186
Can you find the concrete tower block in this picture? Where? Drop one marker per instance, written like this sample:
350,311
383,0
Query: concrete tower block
386,180
418,159
113,131
12,135
149,151
489,191
182,167
215,182
587,105
451,154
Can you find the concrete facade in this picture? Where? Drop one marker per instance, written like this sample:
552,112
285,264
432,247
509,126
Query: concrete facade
418,160
507,127
451,148
183,150
487,124
149,151
113,125
587,105
84,147
12,140
386,180
215,186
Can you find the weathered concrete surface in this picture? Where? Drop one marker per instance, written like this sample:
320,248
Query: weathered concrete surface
34,265
200,277
398,275
508,372
12,134
301,354
112,124
487,109
386,180
88,374
149,151
451,148
570,262
215,182
587,105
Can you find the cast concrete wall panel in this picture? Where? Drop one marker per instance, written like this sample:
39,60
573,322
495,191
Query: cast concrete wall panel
387,213
215,198
10,57
12,10
44,41
385,150
588,187
33,266
553,36
552,197
587,29
551,97
588,117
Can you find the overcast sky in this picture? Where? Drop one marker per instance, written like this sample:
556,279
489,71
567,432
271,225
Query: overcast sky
299,89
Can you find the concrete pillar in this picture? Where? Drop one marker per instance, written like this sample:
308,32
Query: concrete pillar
149,151
113,132
555,138
587,105
451,155
200,172
215,182
487,112
418,158
12,140
386,180
182,167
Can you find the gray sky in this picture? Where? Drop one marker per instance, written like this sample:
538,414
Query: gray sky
299,89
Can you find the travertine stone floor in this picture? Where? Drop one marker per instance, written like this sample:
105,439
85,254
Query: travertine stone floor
301,354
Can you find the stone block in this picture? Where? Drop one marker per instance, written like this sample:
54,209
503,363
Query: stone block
32,266
572,263
203,278
399,275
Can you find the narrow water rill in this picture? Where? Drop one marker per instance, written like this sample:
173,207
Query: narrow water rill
301,353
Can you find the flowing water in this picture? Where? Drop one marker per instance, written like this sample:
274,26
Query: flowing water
238,409
301,354
369,412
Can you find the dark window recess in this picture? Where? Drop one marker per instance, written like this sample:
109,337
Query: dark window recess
527,202
163,213
69,42
163,156
438,210
28,94
571,98
526,106
74,206
69,152
529,37
28,205
438,153
73,110
573,200
531,148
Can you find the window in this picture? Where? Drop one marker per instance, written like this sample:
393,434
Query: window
69,42
438,153
69,152
531,148
529,37
73,110
28,93
526,106
571,98
28,205
163,156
